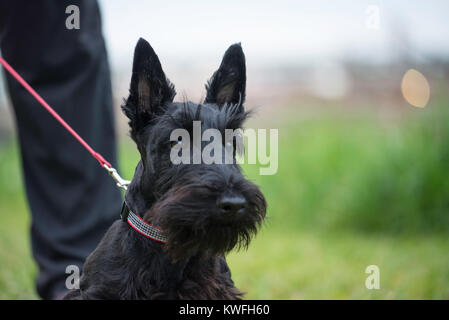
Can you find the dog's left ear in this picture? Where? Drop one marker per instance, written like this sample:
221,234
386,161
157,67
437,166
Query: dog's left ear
150,90
228,83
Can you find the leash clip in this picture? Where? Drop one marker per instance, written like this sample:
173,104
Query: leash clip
120,182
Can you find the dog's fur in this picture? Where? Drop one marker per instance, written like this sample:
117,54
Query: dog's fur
181,199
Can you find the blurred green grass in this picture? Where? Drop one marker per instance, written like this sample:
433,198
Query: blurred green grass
357,173
351,191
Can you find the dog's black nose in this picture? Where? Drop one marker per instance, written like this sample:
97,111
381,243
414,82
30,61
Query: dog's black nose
231,204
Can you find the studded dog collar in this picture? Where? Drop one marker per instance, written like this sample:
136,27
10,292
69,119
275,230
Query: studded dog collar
144,228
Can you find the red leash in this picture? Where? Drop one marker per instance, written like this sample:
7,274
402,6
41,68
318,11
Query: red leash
105,164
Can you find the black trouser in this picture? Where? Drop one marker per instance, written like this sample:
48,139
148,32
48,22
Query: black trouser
72,199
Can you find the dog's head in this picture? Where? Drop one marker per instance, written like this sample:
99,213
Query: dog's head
203,207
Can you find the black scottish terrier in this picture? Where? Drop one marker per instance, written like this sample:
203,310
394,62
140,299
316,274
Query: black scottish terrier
196,212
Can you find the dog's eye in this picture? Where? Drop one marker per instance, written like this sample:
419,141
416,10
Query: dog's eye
231,146
176,142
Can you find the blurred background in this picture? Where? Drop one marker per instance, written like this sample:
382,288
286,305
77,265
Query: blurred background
359,93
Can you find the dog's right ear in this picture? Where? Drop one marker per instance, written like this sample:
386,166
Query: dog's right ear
150,90
228,83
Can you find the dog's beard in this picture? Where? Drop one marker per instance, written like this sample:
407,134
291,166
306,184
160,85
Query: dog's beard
193,225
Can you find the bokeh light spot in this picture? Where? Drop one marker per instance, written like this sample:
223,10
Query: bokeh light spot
415,88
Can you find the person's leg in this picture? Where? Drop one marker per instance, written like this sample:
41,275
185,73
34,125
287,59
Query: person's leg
72,199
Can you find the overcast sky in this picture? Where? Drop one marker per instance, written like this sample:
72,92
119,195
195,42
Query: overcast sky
191,36
274,32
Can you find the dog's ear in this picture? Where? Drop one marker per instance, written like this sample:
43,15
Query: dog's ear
149,91
228,83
